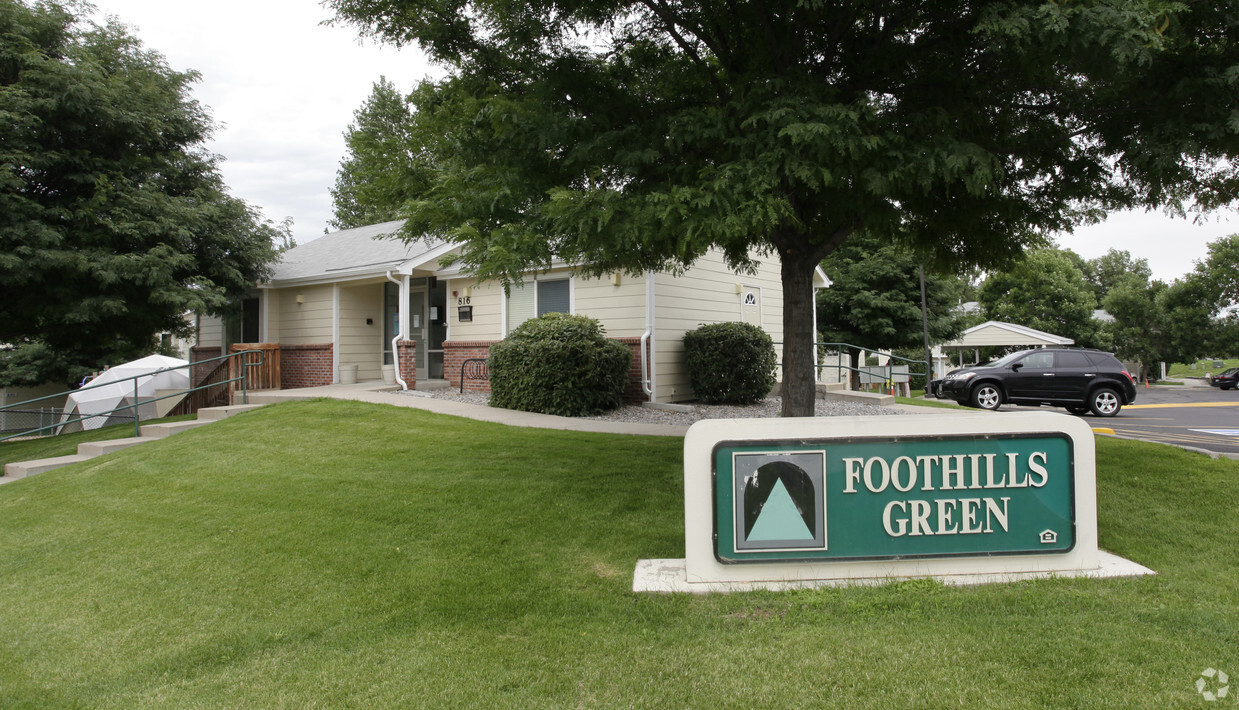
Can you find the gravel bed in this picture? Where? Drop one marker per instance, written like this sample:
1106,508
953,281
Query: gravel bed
645,415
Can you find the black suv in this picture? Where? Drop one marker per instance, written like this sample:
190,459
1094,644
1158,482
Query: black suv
1080,380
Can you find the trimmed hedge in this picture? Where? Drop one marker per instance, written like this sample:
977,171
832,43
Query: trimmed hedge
730,363
558,364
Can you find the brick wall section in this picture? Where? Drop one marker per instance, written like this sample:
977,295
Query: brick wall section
305,365
407,350
633,393
200,370
455,353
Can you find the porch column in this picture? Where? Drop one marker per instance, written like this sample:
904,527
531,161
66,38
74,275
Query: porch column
404,307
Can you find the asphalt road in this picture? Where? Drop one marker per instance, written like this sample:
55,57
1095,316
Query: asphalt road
1199,417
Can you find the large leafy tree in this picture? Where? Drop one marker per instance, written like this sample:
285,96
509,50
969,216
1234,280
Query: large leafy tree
1116,268
1219,272
114,221
1046,290
637,134
384,166
874,299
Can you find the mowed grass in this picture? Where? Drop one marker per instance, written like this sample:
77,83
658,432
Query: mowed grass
66,444
1202,367
334,554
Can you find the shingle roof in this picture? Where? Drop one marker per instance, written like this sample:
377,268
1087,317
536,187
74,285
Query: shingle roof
1020,330
350,252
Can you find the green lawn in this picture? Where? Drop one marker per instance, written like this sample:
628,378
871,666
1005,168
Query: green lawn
66,444
1203,367
336,554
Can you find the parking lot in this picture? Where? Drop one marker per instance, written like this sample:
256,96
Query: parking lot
1197,416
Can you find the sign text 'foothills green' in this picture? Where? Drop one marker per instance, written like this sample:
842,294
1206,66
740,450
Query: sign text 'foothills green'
874,499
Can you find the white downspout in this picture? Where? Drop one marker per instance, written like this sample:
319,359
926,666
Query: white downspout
395,351
647,365
335,333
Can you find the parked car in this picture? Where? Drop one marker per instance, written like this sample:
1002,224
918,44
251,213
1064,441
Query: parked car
1225,380
1079,379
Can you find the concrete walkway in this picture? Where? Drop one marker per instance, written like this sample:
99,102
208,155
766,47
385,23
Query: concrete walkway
379,393
375,392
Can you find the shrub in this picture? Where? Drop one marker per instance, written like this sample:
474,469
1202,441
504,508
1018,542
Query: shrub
558,364
730,363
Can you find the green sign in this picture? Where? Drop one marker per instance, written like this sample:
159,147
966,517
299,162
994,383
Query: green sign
858,499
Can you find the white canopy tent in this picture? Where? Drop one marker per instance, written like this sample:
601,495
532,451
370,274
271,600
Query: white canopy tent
113,389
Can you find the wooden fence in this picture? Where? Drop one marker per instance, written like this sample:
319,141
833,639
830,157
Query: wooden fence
265,376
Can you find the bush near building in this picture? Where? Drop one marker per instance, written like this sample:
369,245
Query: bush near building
730,363
558,364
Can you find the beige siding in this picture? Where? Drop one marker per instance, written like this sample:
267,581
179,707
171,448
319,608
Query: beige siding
269,314
620,308
707,293
487,301
361,343
303,323
210,331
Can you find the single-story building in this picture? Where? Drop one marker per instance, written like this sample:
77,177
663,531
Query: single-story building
994,333
342,300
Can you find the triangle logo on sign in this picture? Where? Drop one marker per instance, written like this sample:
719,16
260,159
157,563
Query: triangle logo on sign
779,519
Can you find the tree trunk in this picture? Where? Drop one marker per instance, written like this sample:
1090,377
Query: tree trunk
854,373
799,336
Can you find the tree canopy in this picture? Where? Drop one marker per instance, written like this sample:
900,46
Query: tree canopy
874,299
114,221
1045,290
638,135
384,165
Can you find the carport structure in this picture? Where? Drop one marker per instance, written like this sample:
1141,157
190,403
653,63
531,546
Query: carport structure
995,333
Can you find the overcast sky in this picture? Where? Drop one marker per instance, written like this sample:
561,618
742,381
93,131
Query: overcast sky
285,88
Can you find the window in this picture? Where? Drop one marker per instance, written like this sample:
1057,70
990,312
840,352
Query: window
1039,360
554,297
1071,359
536,298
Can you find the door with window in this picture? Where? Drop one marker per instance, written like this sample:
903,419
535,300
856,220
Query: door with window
417,328
750,305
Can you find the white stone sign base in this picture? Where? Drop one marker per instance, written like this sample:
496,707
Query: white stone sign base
701,572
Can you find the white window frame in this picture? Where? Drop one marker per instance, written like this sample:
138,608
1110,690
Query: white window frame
534,280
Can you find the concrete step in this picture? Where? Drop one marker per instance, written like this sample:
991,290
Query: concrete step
21,469
881,400
217,413
160,431
99,448
272,397
431,385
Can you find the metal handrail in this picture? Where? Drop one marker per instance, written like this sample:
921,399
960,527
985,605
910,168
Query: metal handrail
889,367
137,417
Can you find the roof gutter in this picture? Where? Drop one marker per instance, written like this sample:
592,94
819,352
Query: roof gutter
395,351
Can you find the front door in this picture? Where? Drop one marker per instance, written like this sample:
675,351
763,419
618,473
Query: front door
417,328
